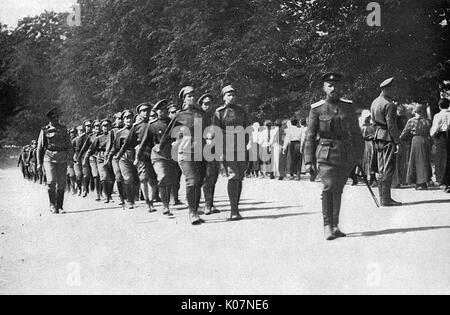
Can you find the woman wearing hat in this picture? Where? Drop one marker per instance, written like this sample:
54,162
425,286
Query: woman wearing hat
98,148
417,131
190,151
127,168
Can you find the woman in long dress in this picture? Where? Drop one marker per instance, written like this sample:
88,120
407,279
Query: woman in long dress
418,131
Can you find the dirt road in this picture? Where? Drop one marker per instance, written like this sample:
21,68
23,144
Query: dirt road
278,249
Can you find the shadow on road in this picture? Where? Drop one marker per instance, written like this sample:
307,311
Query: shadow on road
94,210
397,231
425,202
265,217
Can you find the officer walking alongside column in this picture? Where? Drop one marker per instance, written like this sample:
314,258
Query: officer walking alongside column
53,151
387,141
339,149
232,116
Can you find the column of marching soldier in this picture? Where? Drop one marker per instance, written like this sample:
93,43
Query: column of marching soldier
135,152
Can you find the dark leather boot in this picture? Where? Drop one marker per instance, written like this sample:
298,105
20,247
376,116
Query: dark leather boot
120,188
337,200
165,197
327,206
233,194
60,201
52,199
386,200
191,196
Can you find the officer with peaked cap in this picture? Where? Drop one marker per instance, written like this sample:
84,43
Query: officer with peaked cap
190,152
53,151
162,162
146,172
212,167
231,115
339,149
387,141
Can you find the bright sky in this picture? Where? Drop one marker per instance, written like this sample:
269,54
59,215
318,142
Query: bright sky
11,11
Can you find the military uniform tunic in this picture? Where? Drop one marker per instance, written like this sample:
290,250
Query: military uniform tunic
53,151
340,146
144,165
229,119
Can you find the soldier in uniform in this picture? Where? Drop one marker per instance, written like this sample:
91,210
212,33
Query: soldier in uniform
53,151
387,141
71,178
127,168
339,149
32,162
90,164
212,167
77,166
162,161
173,109
82,174
98,148
190,150
147,176
233,115
22,161
117,126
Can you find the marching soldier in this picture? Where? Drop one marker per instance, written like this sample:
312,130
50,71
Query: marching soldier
173,110
53,151
117,126
190,150
32,162
90,164
233,115
387,141
82,173
147,176
162,161
98,148
22,161
339,149
127,168
71,178
212,167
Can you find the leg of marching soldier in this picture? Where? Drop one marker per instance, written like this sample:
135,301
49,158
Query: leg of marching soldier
50,170
61,170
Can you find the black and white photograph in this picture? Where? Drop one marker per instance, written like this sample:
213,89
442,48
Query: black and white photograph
210,149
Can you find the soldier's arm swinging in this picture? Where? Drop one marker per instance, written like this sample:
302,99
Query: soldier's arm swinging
129,143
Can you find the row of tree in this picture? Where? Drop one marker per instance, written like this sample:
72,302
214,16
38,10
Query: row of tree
274,51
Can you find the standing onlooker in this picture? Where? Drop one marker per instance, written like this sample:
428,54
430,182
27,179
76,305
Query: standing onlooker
304,132
265,140
292,145
439,131
404,151
253,165
279,156
418,128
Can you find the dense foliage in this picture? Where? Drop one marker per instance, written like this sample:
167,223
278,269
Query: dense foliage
274,51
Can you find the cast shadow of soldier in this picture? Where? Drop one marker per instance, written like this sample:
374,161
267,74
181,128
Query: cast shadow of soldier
396,231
